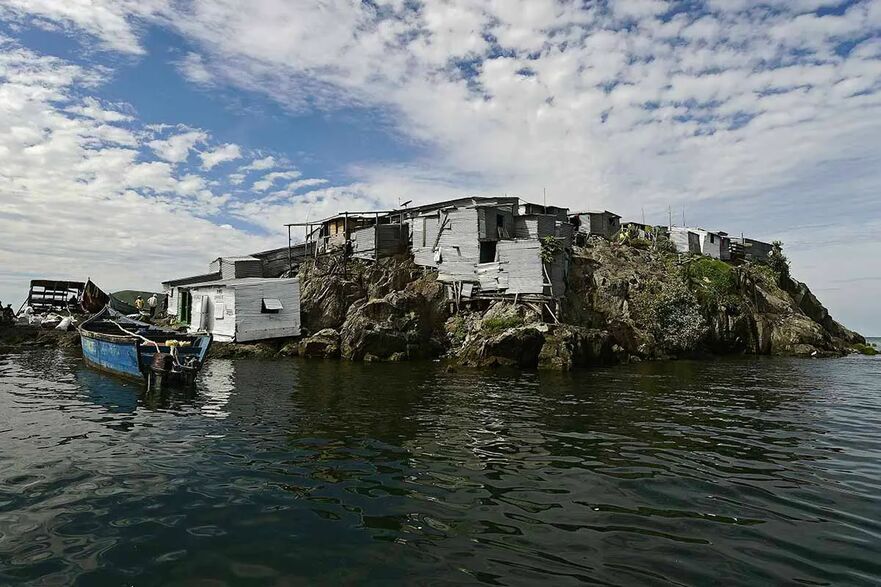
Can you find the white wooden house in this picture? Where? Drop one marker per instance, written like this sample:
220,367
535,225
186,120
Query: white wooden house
243,310
685,240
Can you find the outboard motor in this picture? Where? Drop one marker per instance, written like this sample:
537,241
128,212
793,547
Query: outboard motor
160,371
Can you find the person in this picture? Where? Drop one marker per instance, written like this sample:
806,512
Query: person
8,314
139,304
152,302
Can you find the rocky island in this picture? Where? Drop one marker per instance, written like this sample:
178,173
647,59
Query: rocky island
626,301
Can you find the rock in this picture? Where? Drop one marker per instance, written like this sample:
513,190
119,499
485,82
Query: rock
324,344
514,347
400,325
568,347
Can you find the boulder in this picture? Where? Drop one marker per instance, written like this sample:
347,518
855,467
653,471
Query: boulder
324,344
567,347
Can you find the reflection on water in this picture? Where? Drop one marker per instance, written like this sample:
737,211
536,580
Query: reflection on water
745,471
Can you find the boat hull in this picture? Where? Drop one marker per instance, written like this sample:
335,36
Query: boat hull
127,348
117,357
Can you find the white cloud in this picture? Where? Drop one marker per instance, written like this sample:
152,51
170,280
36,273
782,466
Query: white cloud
176,148
193,68
81,197
614,104
260,164
270,178
222,154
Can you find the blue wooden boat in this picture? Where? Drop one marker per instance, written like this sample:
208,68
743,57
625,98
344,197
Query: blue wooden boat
128,348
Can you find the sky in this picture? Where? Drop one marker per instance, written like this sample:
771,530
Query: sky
139,139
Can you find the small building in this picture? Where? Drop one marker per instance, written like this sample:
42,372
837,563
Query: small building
640,230
380,240
749,249
685,240
49,295
597,222
172,289
237,267
243,310
487,250
710,243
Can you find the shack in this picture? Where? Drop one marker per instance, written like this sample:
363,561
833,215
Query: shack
243,310
597,222
49,295
748,249
380,240
685,240
484,249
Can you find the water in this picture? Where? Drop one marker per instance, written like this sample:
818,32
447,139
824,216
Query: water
739,471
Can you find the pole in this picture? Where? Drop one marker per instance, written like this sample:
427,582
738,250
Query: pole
290,253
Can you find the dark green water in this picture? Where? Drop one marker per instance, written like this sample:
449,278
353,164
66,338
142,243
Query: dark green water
284,473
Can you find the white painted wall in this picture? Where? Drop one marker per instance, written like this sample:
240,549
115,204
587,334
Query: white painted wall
233,312
252,324
218,312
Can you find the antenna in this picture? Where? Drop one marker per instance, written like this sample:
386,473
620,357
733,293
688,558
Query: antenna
670,214
684,224
643,214
544,192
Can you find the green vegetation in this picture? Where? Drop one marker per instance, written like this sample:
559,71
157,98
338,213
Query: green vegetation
673,315
778,261
501,323
665,245
866,349
550,248
712,280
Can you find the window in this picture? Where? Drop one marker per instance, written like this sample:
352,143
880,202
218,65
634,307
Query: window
219,310
487,252
271,306
500,225
712,238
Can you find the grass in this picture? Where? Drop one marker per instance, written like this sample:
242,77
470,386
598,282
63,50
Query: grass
501,323
866,349
711,279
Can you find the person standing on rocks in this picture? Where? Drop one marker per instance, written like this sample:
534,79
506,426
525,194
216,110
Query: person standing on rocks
152,302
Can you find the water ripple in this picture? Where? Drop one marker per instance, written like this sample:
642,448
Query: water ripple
748,471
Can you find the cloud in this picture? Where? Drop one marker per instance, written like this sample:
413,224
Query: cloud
270,178
111,21
193,68
723,107
260,164
222,154
82,195
176,148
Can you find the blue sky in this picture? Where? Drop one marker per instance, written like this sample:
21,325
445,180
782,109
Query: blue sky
149,137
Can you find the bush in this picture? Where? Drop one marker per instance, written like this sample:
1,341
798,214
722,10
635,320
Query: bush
712,280
672,314
866,349
778,261
550,248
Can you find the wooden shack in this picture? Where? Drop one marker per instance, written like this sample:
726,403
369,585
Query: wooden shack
244,310
380,240
597,222
685,240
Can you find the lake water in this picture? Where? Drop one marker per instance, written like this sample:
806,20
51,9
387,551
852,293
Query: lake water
744,471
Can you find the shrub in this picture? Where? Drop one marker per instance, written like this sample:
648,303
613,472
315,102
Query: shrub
672,314
550,248
711,279
866,349
778,261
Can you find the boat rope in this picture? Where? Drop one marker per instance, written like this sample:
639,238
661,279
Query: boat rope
147,340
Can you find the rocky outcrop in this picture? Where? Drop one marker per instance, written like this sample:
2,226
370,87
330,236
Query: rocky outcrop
323,344
623,303
385,311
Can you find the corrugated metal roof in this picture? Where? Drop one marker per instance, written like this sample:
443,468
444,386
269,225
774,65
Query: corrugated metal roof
243,281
